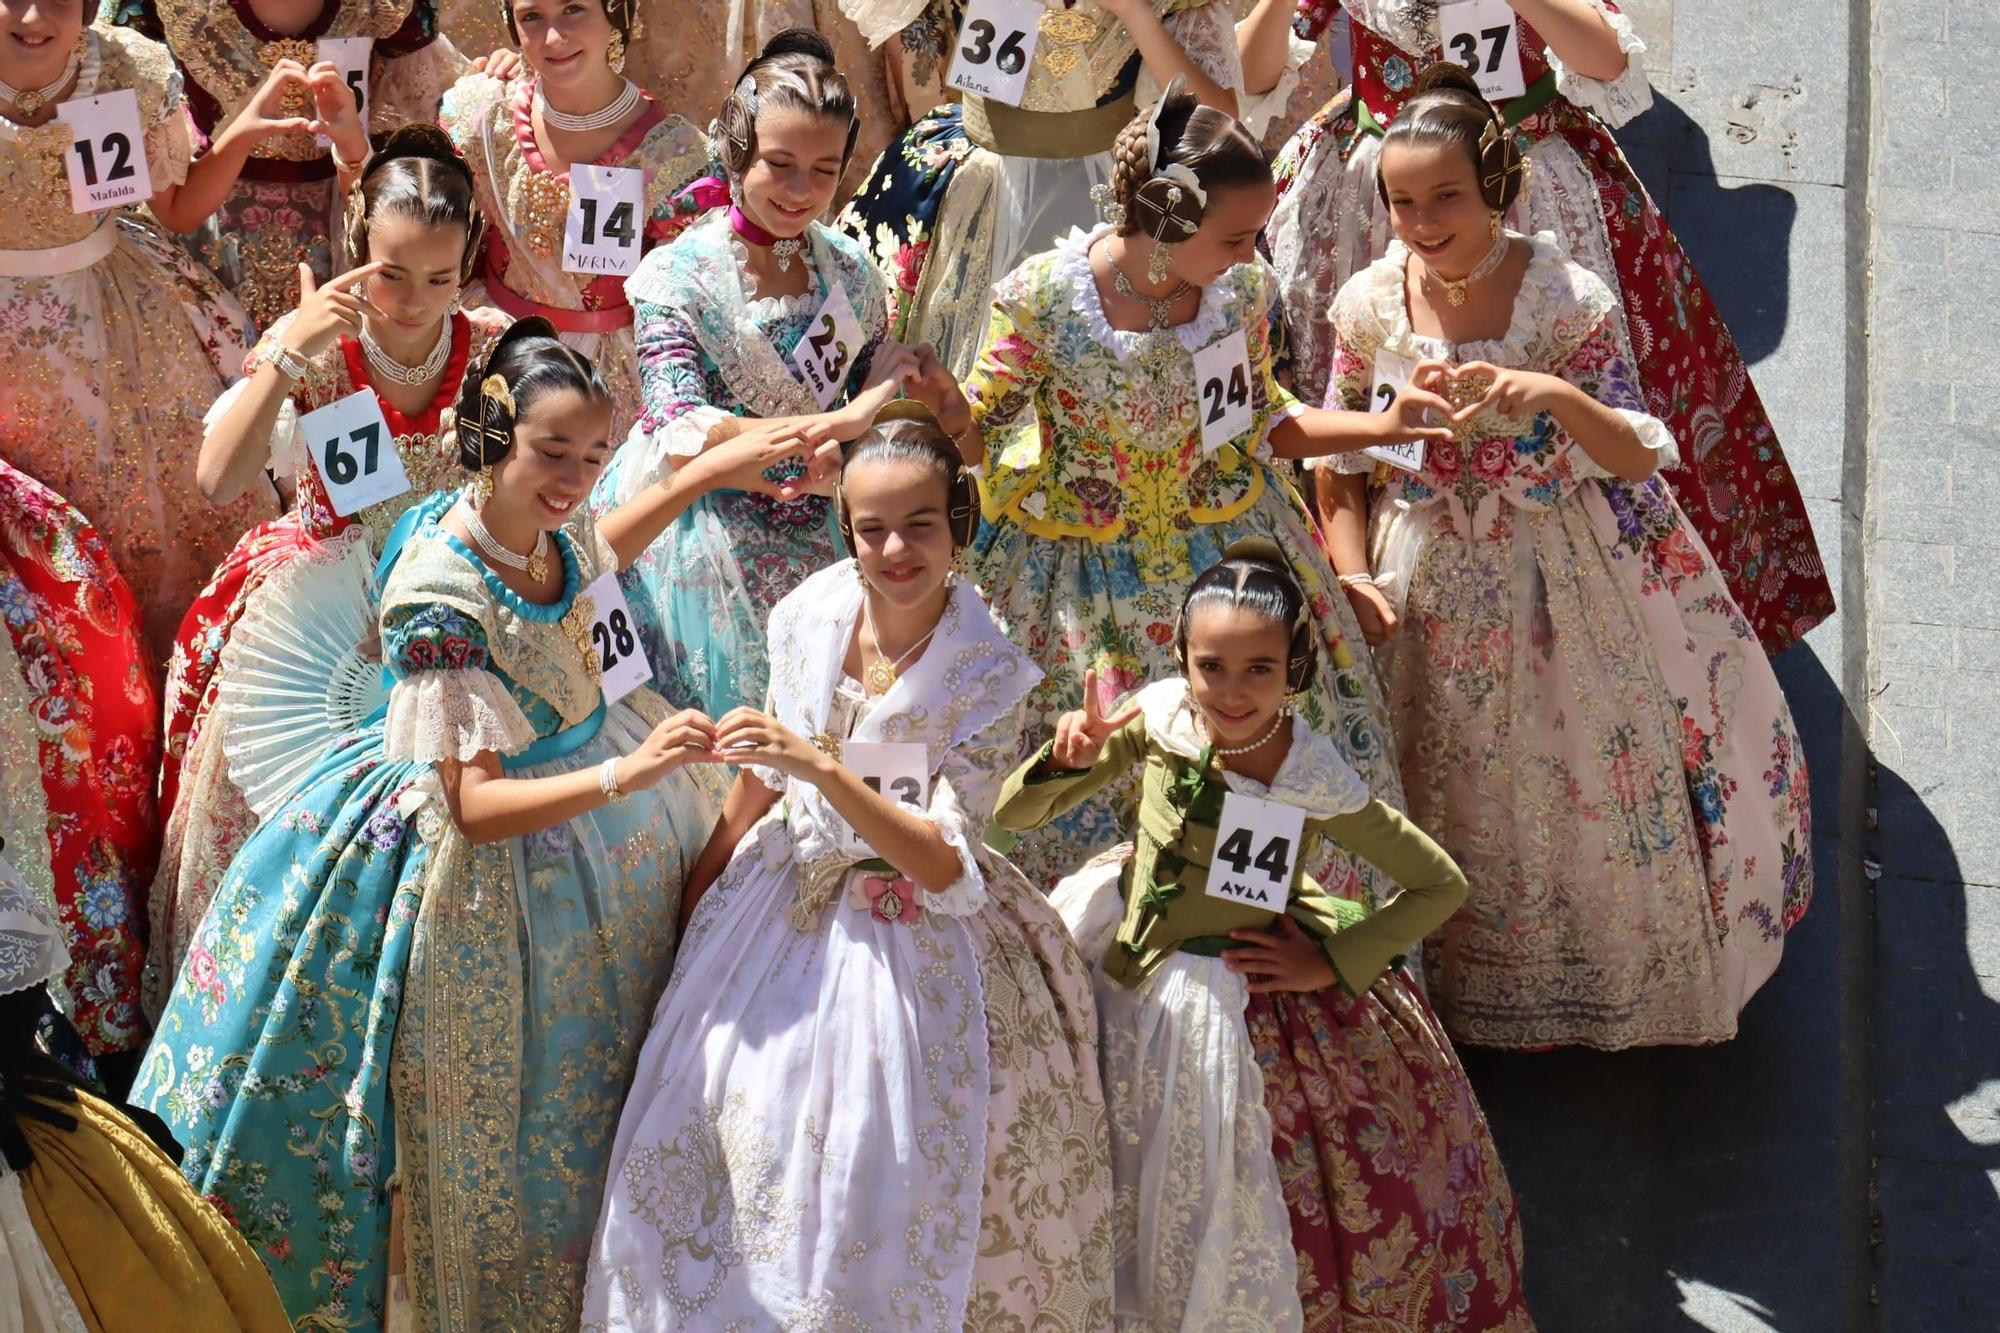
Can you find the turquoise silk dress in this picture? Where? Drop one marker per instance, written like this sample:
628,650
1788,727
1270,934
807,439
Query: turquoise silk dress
709,349
372,995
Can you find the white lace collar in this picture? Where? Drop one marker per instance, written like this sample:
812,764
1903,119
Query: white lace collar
771,309
1314,776
1073,266
1550,293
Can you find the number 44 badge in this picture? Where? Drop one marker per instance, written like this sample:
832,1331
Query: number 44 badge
1256,847
354,452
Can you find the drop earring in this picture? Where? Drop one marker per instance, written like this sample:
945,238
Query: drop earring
614,53
481,489
1493,225
1156,266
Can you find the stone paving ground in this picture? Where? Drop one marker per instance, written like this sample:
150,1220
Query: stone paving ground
1833,166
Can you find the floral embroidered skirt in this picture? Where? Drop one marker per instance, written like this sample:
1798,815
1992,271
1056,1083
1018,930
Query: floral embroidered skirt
900,1126
1297,1160
512,979
110,370
79,739
1588,725
1076,605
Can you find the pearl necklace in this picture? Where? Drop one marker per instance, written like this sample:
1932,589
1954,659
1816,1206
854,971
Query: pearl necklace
534,565
1454,292
31,100
389,368
596,120
882,674
1231,751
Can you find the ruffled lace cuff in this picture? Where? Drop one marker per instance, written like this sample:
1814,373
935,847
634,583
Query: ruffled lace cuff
453,714
1284,413
664,448
287,449
1614,101
967,893
1352,461
1653,433
1258,110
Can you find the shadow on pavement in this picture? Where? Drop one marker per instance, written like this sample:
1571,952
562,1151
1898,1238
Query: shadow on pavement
1748,264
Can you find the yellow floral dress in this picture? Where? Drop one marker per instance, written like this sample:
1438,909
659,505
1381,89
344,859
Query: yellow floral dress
1102,506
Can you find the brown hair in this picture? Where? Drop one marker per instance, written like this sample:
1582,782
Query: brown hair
1446,107
1210,143
416,174
904,432
618,13
795,69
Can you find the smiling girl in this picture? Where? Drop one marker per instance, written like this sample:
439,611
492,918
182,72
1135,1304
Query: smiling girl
488,872
1131,428
1585,717
523,136
1266,1060
725,316
870,1095
392,327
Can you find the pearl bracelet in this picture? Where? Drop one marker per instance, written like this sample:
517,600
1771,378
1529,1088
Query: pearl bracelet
607,781
1354,580
290,364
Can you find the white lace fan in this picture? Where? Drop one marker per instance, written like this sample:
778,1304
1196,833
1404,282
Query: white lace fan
294,679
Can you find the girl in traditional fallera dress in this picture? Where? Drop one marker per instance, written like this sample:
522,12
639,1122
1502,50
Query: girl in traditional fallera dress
285,209
870,1095
1581,70
1585,719
302,582
977,186
522,136
1105,491
489,874
1263,1054
115,341
724,316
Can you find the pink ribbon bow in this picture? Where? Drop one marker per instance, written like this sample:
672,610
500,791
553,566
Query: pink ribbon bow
891,899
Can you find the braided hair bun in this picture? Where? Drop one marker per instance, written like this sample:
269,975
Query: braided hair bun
525,362
1211,144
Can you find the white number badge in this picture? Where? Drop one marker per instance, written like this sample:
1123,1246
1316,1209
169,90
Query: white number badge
825,354
1480,35
614,637
899,770
1392,372
106,160
1256,846
354,453
996,47
1222,381
607,218
350,56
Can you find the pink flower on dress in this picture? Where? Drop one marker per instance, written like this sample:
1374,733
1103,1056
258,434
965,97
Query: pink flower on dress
1491,459
891,899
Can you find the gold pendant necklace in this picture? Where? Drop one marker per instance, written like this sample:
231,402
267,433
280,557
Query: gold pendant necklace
882,674
1454,292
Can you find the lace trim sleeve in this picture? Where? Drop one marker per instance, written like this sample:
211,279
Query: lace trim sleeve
453,714
1258,110
1614,101
1207,36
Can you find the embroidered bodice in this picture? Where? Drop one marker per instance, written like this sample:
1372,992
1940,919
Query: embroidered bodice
425,443
1109,445
526,204
475,665
34,182
1393,40
1561,326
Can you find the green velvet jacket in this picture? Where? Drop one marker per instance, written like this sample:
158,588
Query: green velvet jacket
1167,907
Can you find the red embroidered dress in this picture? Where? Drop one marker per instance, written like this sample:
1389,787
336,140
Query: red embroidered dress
78,740
207,818
1733,482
